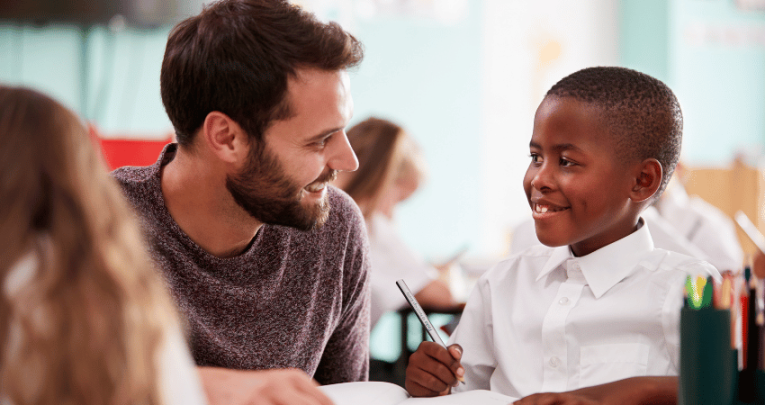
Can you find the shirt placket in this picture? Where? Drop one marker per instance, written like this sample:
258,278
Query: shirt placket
555,377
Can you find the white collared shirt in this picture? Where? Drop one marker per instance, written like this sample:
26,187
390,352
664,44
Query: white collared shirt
545,321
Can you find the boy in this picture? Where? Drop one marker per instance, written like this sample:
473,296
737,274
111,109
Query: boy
598,308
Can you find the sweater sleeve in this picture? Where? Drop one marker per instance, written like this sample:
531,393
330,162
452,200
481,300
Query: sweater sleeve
346,355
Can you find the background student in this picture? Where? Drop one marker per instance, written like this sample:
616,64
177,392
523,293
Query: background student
84,319
701,223
594,317
391,169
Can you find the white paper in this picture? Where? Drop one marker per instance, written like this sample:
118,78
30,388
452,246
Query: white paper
365,393
474,397
383,393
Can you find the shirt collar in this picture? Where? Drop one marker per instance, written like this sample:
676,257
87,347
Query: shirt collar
607,266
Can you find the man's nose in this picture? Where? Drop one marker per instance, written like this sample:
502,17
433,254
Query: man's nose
343,157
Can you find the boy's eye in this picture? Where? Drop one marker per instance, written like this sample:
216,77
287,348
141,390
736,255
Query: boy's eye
535,158
566,163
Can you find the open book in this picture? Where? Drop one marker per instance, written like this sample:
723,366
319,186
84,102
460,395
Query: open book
383,393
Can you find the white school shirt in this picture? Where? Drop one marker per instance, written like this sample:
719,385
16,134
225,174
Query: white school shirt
391,260
177,374
546,321
704,225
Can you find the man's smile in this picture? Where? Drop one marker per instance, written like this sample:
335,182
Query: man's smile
316,187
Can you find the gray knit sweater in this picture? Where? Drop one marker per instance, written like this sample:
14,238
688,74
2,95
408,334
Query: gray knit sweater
292,299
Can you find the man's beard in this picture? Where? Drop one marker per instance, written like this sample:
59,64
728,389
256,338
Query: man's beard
268,195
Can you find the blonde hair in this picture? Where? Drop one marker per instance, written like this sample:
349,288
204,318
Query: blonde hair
86,327
386,155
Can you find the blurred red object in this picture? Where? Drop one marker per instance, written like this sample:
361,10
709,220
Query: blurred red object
128,152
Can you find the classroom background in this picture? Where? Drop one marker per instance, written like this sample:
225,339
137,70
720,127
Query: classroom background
464,77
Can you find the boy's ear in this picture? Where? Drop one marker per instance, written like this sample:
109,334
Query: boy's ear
225,138
647,180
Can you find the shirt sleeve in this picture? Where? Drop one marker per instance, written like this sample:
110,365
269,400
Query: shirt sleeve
346,355
475,334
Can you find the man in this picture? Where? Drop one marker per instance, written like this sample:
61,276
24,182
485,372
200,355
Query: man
266,261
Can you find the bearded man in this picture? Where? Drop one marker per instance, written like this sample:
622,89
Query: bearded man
267,262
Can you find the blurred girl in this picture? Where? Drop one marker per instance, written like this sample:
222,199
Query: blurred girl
391,169
84,319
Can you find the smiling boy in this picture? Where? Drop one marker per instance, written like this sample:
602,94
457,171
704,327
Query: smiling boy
593,316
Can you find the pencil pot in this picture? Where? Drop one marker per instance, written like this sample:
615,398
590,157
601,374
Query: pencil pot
708,366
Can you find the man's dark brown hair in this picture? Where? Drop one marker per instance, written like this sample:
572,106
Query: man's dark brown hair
237,56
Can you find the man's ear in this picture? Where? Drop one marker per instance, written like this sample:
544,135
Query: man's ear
225,138
647,180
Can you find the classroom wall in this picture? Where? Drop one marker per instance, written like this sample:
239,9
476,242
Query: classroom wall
422,72
712,54
644,36
717,69
111,78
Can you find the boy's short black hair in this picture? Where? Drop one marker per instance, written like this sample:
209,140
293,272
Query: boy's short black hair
641,112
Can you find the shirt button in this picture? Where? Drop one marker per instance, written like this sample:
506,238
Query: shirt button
563,301
554,362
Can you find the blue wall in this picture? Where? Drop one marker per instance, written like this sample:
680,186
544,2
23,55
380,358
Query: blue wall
120,76
713,56
717,68
424,75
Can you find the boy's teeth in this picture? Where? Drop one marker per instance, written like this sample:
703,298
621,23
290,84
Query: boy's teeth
541,208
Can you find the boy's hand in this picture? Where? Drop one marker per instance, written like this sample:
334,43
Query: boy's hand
630,391
433,370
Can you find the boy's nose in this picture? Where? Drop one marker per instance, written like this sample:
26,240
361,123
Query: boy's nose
542,179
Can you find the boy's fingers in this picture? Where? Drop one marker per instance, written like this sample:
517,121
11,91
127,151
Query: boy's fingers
430,367
456,351
417,390
434,367
430,384
443,356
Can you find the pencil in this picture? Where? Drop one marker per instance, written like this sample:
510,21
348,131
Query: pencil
753,336
422,317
